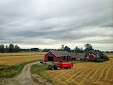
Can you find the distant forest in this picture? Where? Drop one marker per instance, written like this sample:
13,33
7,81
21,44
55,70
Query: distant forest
9,48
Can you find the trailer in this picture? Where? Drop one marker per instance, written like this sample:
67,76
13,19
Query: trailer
57,66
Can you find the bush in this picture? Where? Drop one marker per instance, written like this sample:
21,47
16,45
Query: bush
96,60
101,58
104,57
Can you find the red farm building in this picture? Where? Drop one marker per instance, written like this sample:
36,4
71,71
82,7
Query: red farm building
78,56
56,56
91,55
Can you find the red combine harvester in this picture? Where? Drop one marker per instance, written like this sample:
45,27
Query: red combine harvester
60,65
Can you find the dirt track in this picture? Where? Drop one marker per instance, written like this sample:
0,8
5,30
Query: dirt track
24,78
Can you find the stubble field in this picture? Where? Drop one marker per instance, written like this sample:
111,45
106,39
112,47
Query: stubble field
17,58
87,73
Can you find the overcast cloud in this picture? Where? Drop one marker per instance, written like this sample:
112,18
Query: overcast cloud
50,23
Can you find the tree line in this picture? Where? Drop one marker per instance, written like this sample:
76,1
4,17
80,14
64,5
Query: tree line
9,48
67,48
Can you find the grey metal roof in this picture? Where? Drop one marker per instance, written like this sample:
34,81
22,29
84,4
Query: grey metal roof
97,52
60,53
77,55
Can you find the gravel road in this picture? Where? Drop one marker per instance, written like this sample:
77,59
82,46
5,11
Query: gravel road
25,78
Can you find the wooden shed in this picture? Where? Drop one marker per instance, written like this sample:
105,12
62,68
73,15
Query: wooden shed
56,56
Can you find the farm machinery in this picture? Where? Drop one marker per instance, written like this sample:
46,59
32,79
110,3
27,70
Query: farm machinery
57,66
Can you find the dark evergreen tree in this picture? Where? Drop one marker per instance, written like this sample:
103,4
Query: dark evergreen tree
81,50
2,49
16,48
78,50
11,48
88,48
67,49
6,49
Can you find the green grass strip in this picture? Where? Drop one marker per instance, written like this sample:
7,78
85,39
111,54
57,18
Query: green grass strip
9,71
39,69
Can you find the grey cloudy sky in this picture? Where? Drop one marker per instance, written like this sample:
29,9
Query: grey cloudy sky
50,23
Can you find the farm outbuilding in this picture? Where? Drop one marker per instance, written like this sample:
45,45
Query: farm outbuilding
56,56
78,56
91,55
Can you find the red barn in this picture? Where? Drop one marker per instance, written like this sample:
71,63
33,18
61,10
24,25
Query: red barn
56,56
91,55
78,56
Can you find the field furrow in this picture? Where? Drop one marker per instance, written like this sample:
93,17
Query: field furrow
77,74
104,74
93,77
89,73
109,75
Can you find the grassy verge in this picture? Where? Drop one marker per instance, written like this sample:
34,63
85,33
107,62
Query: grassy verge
9,71
40,69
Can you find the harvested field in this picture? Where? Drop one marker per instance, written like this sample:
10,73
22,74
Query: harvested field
17,58
87,73
110,55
